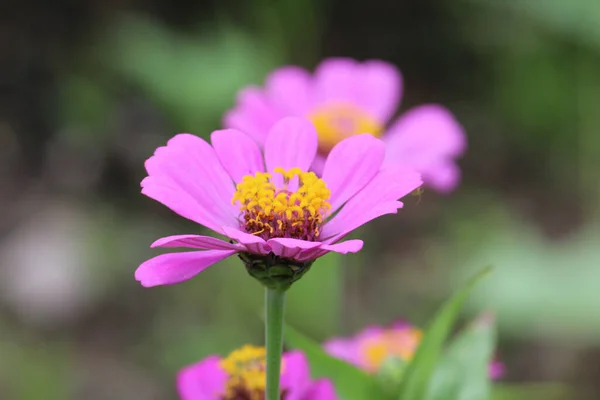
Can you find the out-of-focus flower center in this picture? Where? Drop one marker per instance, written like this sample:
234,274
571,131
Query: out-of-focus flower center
246,370
297,209
398,342
335,122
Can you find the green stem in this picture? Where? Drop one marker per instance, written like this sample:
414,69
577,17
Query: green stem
275,304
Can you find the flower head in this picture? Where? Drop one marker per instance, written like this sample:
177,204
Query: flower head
276,214
344,98
242,376
371,348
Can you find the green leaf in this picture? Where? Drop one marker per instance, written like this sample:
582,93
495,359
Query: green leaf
350,382
417,375
533,391
462,373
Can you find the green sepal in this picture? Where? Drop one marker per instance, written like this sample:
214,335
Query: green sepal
274,272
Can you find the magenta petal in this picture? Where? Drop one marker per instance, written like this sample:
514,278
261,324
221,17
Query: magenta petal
289,88
349,246
321,389
238,154
426,138
378,197
253,243
196,242
254,114
296,375
352,164
291,143
289,248
204,380
187,177
168,269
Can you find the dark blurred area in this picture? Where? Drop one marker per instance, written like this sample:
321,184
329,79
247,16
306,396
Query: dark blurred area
90,88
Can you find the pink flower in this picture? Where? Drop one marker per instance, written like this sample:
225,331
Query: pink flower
345,97
270,209
375,344
241,376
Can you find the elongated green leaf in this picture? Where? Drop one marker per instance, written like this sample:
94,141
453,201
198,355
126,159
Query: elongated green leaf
533,391
350,382
419,371
462,373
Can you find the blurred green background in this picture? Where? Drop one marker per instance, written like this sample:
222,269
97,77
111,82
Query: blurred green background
90,88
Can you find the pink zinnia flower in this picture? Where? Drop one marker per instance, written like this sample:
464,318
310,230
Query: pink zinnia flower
372,346
344,98
241,376
274,213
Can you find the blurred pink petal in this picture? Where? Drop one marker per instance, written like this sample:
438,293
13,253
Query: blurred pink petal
204,380
427,138
290,90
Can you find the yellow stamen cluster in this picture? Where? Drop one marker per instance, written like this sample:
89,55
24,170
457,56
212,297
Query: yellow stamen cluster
401,343
246,371
338,121
295,210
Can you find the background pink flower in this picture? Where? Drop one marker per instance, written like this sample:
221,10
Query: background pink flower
371,346
210,379
267,206
345,97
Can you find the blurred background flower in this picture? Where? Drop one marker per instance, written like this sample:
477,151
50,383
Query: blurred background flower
91,88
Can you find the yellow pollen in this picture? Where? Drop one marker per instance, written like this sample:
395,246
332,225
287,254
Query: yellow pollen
297,209
335,122
398,342
246,371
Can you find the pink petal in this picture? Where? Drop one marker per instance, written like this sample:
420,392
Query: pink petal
203,380
352,164
335,81
196,242
322,389
187,177
296,375
375,86
291,143
253,243
238,154
377,198
253,114
168,269
290,248
426,138
381,88
443,177
349,246
289,89
344,349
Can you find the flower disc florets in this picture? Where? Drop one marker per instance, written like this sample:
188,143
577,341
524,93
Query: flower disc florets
246,371
297,209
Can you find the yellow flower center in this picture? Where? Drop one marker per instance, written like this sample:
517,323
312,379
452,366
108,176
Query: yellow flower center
400,343
246,370
338,121
296,210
